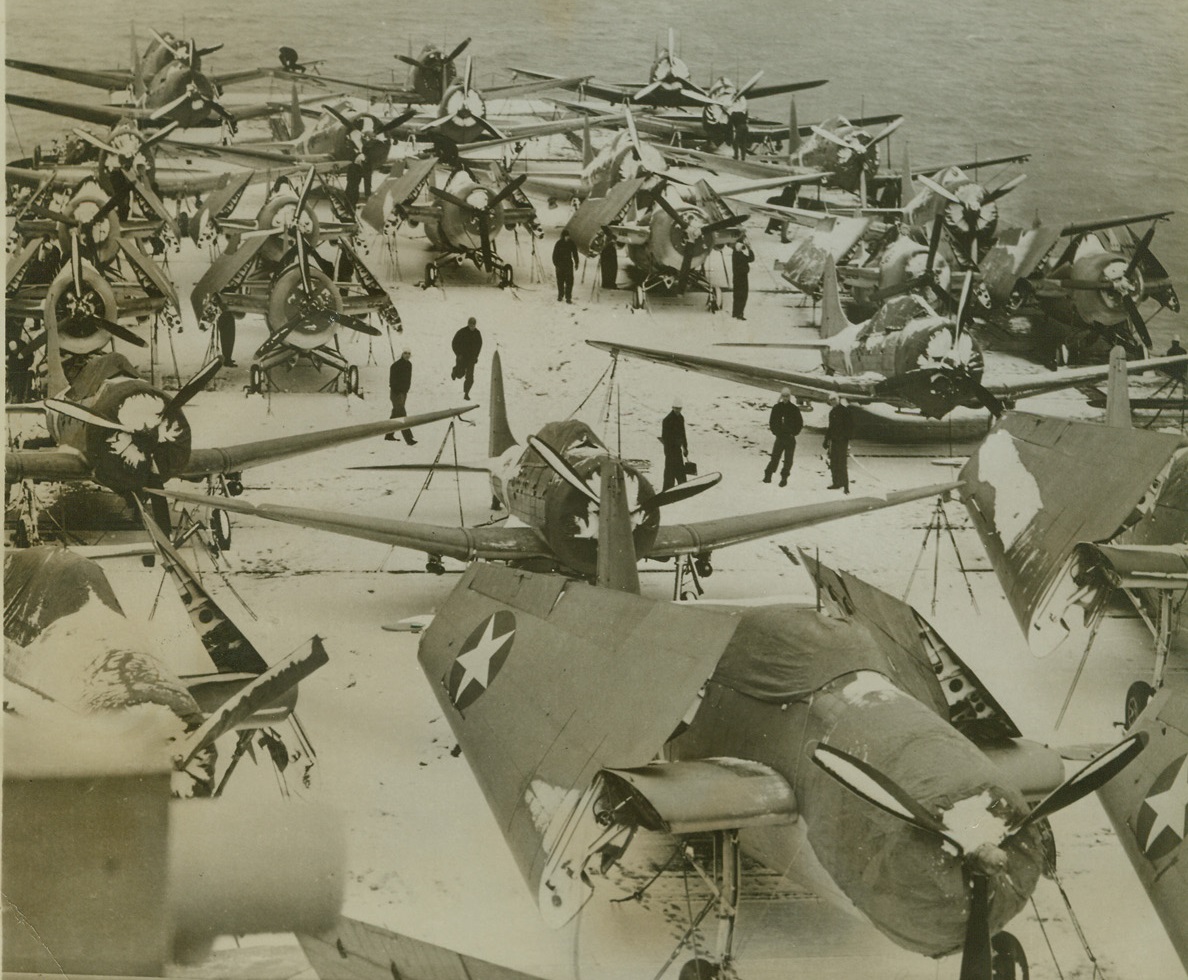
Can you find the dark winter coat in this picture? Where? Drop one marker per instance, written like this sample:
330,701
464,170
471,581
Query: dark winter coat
468,344
565,254
740,263
786,419
672,434
400,377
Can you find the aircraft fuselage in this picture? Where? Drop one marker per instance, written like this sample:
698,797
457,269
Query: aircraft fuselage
899,878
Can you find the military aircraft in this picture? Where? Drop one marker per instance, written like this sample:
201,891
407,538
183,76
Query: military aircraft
808,741
1091,287
546,486
462,217
907,355
274,268
166,84
1079,533
670,85
1148,806
83,270
111,427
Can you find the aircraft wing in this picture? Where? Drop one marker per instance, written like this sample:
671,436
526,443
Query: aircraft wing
1037,486
546,681
538,85
232,459
595,213
396,92
109,80
243,75
815,387
45,464
1072,377
781,88
463,543
703,536
589,86
100,115
396,191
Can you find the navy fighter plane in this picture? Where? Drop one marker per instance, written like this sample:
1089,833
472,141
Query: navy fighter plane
546,486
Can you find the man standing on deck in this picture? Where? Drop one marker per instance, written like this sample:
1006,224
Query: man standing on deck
565,261
785,423
740,269
676,446
837,442
399,381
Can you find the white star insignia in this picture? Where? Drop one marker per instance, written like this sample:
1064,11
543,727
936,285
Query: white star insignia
1170,808
476,662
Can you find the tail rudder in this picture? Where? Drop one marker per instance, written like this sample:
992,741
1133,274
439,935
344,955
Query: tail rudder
137,79
587,146
907,189
296,122
617,567
833,317
501,439
793,131
1118,391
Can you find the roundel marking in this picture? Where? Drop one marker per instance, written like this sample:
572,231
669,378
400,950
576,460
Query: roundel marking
1163,815
481,658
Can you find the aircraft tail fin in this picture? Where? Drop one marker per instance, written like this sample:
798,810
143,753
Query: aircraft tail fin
587,145
907,189
793,130
617,562
833,317
137,77
494,654
1118,391
501,438
296,122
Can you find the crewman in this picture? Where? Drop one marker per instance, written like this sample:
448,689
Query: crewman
399,381
288,60
565,261
676,446
740,132
608,263
837,442
740,268
1177,371
468,343
785,423
359,169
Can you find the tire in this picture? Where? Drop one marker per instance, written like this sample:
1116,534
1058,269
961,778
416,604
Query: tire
638,298
352,379
275,247
505,277
82,208
287,294
220,528
1137,696
714,302
256,380
430,275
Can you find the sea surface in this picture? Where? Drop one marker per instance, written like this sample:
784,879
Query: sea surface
1096,91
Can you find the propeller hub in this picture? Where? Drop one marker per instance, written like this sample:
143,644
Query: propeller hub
155,443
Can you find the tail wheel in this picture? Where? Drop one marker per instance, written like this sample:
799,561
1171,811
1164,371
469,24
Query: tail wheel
638,298
1137,696
256,380
220,528
505,277
430,275
352,380
714,302
62,303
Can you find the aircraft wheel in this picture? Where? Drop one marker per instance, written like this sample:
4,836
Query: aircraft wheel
1137,696
97,298
256,380
714,302
430,275
505,277
234,485
703,567
1008,957
220,527
281,212
435,566
352,380
699,969
638,298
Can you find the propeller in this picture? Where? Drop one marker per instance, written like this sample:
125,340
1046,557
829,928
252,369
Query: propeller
483,214
928,277
868,783
1125,287
679,491
691,242
560,465
978,209
421,63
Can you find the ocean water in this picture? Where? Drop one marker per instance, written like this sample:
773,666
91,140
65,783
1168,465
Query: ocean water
1096,91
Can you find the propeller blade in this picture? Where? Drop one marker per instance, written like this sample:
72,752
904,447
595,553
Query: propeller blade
457,51
936,188
194,385
507,191
963,301
681,491
305,187
164,110
440,121
81,414
667,207
337,115
559,465
884,133
977,954
1136,320
456,201
92,322
466,75
728,222
203,52
686,267
644,92
989,400
1139,251
412,62
938,223
158,135
633,133
878,789
1089,778
485,239
751,83
1005,189
396,123
831,136
303,263
176,52
671,45
329,318
43,212
488,126
94,140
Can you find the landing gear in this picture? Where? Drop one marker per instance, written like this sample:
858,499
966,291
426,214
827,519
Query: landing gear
352,380
1137,696
256,380
220,528
430,275
434,565
699,969
713,301
505,276
638,298
1008,958
703,566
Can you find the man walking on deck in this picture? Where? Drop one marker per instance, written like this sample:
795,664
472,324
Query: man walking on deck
468,343
785,424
